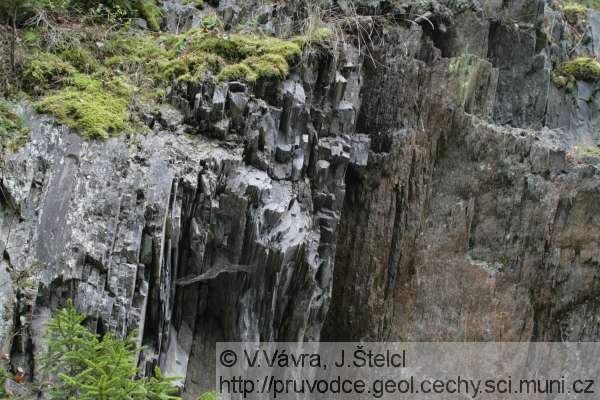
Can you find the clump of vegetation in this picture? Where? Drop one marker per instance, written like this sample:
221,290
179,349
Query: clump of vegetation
45,70
88,367
562,81
195,3
574,12
148,9
236,47
212,21
595,4
42,10
209,396
94,76
13,133
237,72
589,151
93,85
4,375
194,55
322,35
96,108
81,58
581,68
268,66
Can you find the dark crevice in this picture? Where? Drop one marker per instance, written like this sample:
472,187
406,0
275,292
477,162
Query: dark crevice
442,38
394,261
339,322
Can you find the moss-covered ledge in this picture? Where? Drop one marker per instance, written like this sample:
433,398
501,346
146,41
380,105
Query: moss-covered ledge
96,86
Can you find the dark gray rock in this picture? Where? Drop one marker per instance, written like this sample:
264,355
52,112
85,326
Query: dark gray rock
432,188
170,117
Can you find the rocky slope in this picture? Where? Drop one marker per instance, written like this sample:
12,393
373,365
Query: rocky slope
435,185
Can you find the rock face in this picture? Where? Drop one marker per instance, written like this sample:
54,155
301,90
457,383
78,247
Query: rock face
426,189
459,228
190,239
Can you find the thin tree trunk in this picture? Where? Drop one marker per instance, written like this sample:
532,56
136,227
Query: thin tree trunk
13,43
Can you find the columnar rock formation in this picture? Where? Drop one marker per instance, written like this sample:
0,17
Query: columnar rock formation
426,187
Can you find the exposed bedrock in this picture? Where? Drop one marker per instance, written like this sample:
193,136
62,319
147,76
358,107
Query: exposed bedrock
459,229
490,236
188,238
429,188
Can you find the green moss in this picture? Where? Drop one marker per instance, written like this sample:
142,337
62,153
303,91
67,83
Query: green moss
322,35
223,47
94,107
589,151
164,59
90,87
237,72
44,70
250,57
13,133
144,54
236,47
290,51
562,81
582,68
268,66
574,12
140,46
209,396
195,3
195,66
81,58
237,56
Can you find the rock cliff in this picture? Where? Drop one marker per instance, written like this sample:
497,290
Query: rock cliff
428,179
